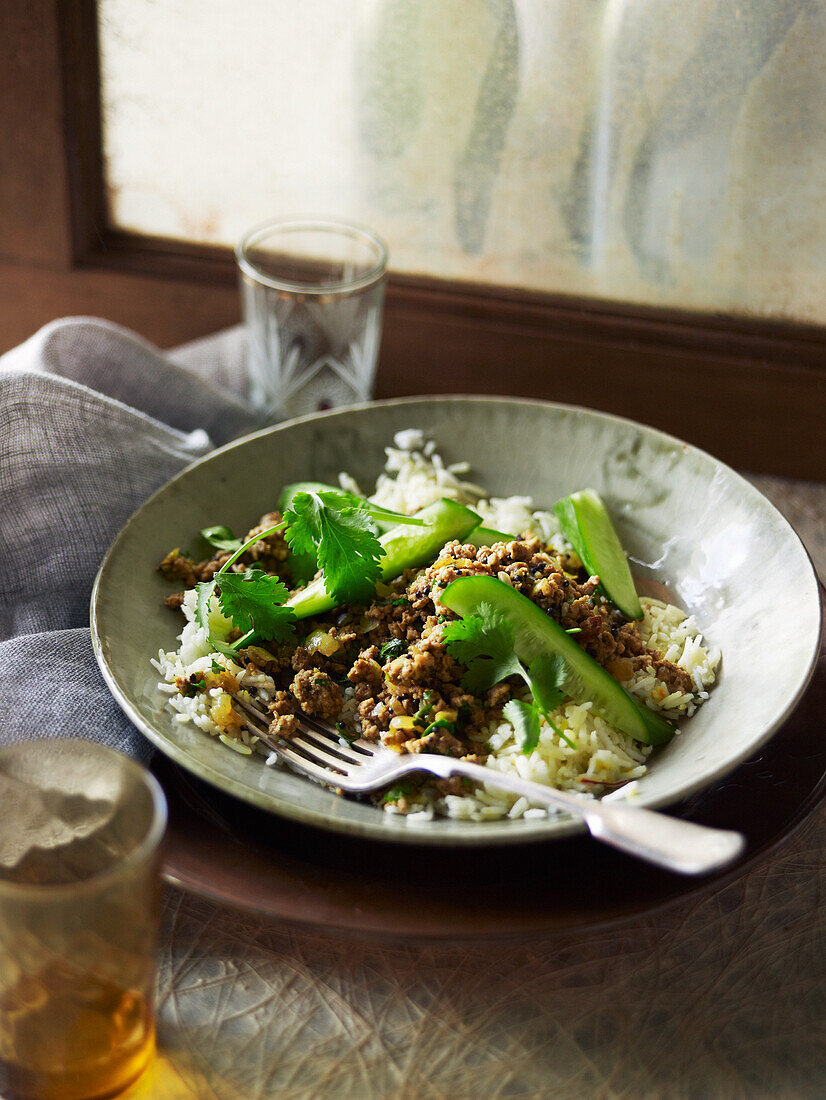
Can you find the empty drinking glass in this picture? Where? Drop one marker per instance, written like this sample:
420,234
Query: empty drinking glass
79,906
312,294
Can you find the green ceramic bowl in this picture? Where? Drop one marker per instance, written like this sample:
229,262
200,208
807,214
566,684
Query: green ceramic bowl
685,519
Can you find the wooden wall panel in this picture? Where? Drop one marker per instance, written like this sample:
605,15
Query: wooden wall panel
34,194
765,417
762,413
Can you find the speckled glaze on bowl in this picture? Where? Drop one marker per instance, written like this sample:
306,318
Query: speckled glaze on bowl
684,518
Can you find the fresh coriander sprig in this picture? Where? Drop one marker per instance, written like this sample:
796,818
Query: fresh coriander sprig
484,642
335,525
251,600
221,538
340,531
340,499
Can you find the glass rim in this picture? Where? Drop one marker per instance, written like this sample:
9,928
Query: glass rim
329,225
38,891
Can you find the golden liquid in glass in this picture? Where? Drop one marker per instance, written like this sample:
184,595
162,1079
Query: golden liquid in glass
71,1036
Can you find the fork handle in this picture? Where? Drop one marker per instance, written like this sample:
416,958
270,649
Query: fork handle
668,842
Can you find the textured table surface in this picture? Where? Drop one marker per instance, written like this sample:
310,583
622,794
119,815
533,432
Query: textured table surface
719,997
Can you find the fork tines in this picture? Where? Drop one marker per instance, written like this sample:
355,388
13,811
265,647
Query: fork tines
316,749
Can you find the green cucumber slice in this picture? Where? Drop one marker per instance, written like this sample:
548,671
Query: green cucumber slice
405,547
536,633
587,526
487,536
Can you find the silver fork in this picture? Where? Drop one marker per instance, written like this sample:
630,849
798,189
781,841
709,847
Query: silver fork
360,765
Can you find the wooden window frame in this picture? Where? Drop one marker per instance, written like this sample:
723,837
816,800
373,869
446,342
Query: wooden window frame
751,391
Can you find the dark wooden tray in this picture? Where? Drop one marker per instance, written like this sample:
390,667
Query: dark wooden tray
234,854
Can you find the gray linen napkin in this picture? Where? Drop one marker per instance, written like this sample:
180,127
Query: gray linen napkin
92,420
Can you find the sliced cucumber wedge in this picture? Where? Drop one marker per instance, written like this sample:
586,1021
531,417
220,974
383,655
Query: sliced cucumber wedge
487,536
536,633
587,526
405,547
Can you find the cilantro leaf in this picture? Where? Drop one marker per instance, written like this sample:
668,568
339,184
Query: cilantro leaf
221,538
525,721
252,600
346,734
341,534
384,518
484,642
310,511
392,649
546,676
204,590
486,632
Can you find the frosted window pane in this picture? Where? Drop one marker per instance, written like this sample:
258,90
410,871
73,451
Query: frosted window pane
668,152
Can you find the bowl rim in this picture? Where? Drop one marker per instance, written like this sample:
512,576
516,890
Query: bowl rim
466,833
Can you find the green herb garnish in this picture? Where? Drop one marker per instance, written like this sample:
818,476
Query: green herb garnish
524,717
426,706
401,790
221,538
484,642
329,524
338,527
392,649
439,724
343,537
252,600
194,686
346,734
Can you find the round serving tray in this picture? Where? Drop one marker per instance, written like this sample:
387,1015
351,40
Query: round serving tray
233,853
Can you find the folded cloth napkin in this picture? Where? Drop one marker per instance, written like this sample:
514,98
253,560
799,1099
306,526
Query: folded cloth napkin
92,420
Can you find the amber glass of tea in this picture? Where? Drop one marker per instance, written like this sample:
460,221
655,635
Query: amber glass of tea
80,828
